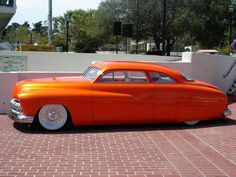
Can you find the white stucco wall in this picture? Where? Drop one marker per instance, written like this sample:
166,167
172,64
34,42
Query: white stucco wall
52,61
6,82
211,68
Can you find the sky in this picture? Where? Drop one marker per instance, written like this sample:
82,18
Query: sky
37,10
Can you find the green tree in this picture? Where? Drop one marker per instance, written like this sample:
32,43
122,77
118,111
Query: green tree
40,29
87,45
213,15
20,34
108,12
26,24
202,22
60,41
10,28
81,29
149,19
16,33
195,21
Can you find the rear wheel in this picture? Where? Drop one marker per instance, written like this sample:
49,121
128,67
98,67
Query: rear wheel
52,116
191,122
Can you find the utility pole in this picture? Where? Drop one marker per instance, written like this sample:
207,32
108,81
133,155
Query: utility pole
49,22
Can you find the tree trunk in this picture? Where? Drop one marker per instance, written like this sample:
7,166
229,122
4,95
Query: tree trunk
157,41
169,46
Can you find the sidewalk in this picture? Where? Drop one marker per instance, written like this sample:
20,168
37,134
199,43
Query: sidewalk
167,150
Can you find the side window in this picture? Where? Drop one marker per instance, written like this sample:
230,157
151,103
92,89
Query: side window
113,76
119,76
108,77
159,78
124,76
136,77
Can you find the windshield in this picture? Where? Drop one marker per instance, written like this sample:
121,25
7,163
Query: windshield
91,73
186,77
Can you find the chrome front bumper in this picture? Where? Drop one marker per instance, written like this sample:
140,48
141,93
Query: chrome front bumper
16,114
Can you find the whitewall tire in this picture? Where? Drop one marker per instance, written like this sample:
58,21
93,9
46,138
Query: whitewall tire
191,122
52,116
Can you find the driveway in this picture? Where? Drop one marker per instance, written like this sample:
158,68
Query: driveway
162,150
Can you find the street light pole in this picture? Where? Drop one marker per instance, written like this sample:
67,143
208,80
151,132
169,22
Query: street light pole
31,37
164,28
137,27
67,35
230,22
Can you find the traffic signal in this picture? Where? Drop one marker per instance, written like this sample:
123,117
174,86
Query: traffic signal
117,28
128,30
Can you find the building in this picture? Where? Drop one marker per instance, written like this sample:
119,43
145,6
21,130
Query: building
7,10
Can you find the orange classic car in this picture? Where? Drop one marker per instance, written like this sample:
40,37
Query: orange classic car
117,92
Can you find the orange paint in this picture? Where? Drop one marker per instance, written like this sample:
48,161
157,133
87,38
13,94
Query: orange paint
142,100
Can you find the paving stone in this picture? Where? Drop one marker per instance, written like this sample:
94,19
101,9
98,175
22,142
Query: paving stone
163,150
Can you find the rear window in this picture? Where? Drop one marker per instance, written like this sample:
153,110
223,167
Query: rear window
186,77
159,78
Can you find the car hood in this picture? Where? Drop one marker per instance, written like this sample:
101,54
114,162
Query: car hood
52,83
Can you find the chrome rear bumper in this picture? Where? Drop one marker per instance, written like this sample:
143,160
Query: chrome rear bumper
227,112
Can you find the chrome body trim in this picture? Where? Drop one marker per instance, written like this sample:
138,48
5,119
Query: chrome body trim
15,113
227,112
15,104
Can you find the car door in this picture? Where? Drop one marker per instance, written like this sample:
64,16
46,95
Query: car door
167,97
123,96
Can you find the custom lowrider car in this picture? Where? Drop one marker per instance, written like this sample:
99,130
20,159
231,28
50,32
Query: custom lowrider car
117,93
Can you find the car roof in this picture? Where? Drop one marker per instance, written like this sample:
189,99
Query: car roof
134,65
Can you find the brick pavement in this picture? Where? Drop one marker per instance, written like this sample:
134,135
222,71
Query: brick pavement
166,150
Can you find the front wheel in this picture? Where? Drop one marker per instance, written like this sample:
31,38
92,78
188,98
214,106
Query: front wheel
52,116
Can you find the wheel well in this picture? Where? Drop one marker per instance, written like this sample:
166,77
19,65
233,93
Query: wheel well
69,121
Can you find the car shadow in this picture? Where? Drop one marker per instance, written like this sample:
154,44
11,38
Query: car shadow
69,129
231,99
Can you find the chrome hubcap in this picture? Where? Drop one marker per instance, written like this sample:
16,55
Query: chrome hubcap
52,115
